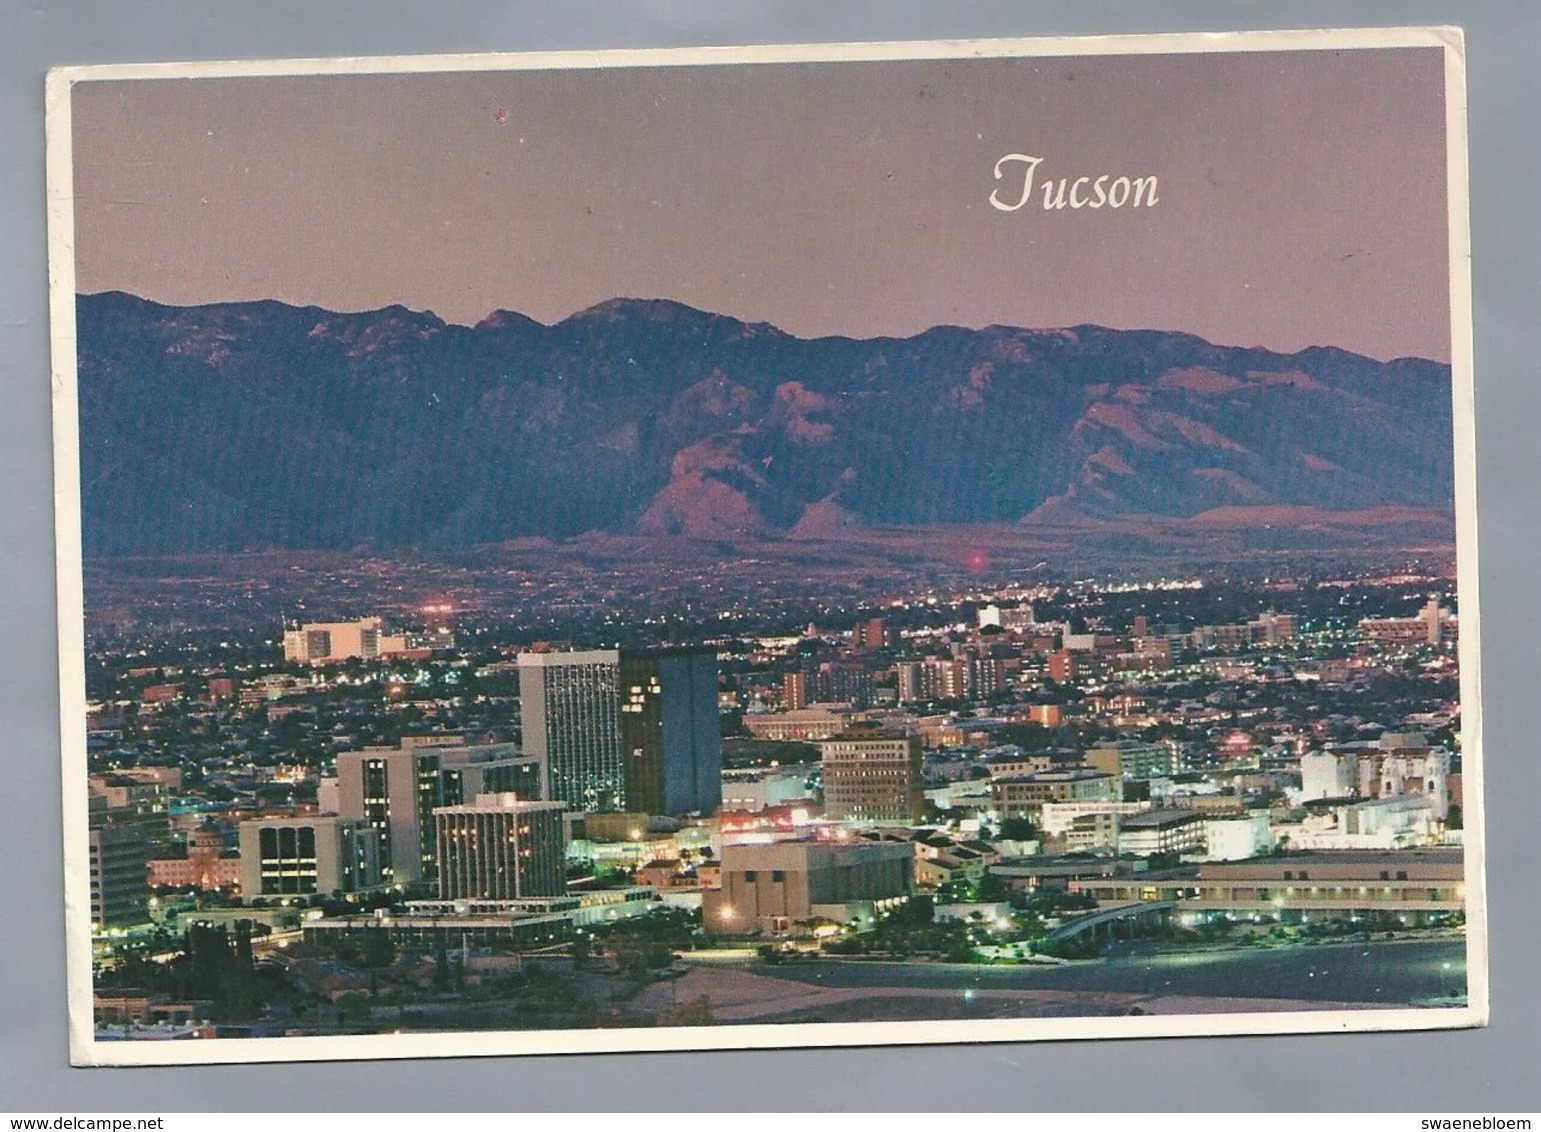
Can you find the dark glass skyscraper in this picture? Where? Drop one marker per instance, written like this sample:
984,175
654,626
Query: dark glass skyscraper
670,731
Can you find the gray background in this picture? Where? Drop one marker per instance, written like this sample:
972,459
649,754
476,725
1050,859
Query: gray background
1486,1070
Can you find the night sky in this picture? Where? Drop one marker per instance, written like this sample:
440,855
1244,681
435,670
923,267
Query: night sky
1301,194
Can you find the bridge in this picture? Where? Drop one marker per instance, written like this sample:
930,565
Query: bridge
1105,921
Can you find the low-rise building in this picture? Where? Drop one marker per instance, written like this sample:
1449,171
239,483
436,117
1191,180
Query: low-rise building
532,922
1131,758
330,642
140,1008
317,854
1237,839
1161,831
940,869
762,790
1016,763
771,888
1056,818
204,864
1091,833
1396,822
1025,795
1062,872
1414,886
805,725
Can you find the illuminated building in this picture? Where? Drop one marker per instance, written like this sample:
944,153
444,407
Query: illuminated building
1024,795
1414,886
116,870
570,708
396,790
1063,667
1427,628
773,887
794,690
872,777
670,732
1130,758
498,847
302,856
332,641
1160,831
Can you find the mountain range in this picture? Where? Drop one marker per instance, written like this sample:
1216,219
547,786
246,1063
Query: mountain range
260,425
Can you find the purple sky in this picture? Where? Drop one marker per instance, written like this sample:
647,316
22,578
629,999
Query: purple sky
1301,194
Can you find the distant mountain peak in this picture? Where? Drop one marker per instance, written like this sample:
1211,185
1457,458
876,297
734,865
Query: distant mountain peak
629,307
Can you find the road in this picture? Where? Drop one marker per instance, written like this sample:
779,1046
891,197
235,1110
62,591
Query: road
1383,972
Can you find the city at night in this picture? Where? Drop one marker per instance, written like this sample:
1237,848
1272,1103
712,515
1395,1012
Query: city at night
540,578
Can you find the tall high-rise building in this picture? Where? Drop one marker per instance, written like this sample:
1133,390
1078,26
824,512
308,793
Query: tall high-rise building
126,802
869,634
670,732
495,768
872,776
120,892
396,790
1063,666
570,706
129,821
794,690
497,847
945,679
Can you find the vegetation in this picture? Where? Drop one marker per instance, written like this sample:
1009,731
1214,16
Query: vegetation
215,963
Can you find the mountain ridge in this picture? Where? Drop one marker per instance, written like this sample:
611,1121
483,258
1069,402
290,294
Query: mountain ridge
235,426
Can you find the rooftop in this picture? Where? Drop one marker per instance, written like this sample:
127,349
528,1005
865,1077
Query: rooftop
1160,819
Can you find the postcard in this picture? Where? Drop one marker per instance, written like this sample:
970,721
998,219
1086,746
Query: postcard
962,541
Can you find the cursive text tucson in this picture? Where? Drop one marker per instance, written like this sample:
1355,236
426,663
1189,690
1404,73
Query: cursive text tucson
1017,171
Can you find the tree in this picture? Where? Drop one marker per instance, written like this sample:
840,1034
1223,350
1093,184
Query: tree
917,911
378,950
441,971
993,888
1017,829
352,1006
958,949
632,962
